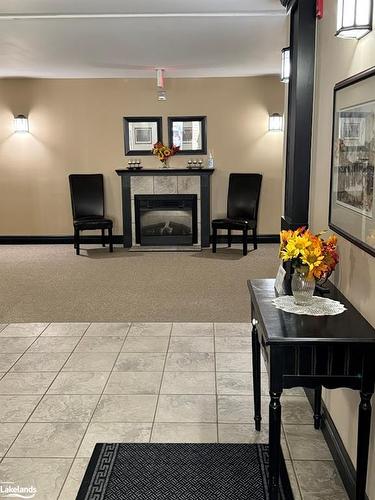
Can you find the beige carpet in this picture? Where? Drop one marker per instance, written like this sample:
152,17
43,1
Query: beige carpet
49,283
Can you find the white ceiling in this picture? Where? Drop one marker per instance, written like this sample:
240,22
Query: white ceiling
129,38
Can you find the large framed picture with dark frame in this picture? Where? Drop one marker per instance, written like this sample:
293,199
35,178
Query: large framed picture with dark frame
189,133
352,202
141,133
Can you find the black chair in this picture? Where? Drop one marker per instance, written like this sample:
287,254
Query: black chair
242,209
87,195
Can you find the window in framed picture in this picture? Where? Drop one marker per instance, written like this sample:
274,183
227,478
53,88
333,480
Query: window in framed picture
352,203
141,133
189,133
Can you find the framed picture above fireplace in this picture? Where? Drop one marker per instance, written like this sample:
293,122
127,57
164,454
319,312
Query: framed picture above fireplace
189,133
352,197
141,133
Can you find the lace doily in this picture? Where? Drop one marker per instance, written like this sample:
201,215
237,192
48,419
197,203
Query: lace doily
320,306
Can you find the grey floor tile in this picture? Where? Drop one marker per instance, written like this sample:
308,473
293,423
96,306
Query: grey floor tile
133,383
45,475
239,383
74,479
240,409
191,344
79,383
8,433
41,362
65,408
319,480
242,433
125,408
15,345
108,330
306,443
188,383
146,344
193,329
90,362
150,330
296,410
24,329
65,330
233,329
26,383
190,362
232,344
2,326
233,362
142,362
100,344
113,433
8,360
293,480
184,433
54,344
48,440
295,391
17,408
186,408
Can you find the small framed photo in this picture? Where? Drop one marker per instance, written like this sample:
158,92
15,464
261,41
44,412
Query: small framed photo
352,196
141,133
189,133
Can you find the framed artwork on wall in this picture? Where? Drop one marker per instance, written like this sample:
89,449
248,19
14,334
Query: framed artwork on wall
189,133
141,133
352,193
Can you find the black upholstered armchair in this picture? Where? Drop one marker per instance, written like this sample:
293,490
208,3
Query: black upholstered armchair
87,195
242,209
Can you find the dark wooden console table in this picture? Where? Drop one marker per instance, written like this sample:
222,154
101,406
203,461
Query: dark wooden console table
311,351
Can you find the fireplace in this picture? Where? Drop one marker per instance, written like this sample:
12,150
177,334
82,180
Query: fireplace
166,219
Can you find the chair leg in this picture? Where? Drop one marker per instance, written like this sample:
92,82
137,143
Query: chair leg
103,237
244,242
110,240
76,240
214,238
229,238
255,238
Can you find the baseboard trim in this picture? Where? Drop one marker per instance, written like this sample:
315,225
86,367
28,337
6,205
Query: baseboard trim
336,447
117,239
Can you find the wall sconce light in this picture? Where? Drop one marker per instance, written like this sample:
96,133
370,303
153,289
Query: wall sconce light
21,123
285,64
354,18
275,123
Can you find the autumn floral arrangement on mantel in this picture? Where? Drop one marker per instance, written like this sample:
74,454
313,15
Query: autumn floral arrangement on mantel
163,152
312,258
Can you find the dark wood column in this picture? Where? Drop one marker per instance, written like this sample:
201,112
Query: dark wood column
300,110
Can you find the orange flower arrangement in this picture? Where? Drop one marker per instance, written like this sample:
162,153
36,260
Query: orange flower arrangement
313,255
164,152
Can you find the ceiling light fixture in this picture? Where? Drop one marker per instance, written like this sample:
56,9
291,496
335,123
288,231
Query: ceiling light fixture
285,64
161,93
21,123
275,122
354,18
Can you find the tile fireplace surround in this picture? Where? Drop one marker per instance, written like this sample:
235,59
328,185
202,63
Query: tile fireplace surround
166,181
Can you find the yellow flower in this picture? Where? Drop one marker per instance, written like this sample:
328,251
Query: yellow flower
312,257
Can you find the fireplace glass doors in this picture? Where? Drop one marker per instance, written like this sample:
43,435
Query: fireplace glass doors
166,219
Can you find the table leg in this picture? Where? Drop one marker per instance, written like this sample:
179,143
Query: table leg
256,378
274,445
364,422
318,407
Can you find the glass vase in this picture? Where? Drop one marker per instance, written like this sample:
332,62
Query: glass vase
303,287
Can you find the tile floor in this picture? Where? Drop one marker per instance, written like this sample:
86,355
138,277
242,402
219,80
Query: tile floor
66,386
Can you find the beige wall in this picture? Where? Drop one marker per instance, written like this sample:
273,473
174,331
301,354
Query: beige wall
76,126
336,60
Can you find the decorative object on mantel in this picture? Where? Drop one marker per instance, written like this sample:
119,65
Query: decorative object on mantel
318,306
311,257
195,164
352,203
134,165
164,152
